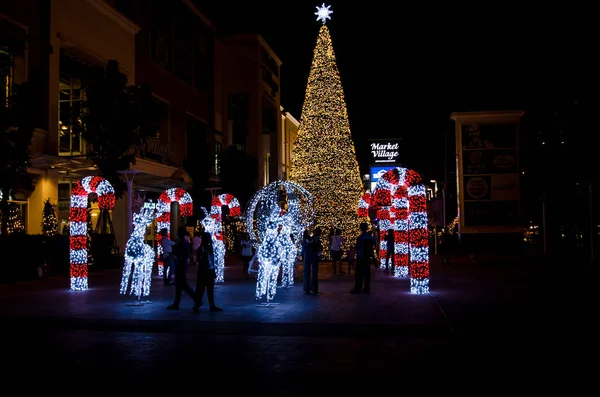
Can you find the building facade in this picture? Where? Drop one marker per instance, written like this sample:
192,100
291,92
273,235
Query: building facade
250,104
211,91
289,133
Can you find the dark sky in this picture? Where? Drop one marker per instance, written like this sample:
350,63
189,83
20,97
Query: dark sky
406,68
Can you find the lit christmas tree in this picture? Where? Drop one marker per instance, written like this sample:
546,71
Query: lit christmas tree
15,220
49,221
324,160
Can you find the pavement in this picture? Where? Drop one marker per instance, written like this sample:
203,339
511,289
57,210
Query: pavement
510,322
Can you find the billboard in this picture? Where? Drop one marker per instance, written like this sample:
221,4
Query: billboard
488,172
376,173
384,151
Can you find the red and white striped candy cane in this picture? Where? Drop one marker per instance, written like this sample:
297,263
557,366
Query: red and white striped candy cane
163,215
78,250
217,214
401,200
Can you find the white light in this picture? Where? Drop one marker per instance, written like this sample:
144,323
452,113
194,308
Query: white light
323,13
277,233
139,256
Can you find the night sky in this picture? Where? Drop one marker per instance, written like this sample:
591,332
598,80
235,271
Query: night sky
406,68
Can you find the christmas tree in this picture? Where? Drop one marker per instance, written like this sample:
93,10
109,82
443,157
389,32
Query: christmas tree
15,220
49,221
324,160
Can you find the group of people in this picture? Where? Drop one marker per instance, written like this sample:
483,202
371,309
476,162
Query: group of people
176,258
360,257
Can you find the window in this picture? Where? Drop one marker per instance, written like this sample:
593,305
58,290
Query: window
69,107
164,119
179,44
238,113
70,98
13,65
269,117
196,136
183,60
217,164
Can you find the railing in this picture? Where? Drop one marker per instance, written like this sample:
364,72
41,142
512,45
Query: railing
153,149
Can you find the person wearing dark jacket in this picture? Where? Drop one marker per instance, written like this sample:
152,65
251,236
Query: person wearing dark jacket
365,255
206,273
181,251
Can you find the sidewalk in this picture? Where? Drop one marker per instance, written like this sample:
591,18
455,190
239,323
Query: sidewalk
389,304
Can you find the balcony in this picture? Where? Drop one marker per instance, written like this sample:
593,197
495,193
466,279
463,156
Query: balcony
154,150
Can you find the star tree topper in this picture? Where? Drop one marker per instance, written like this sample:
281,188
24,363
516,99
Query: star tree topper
323,13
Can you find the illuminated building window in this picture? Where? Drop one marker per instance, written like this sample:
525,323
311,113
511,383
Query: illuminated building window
217,156
71,95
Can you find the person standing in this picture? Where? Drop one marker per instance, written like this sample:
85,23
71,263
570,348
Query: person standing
206,273
195,245
182,257
365,246
168,259
310,250
335,249
246,253
390,249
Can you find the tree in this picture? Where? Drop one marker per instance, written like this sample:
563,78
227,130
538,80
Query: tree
16,127
239,172
49,221
14,223
198,168
115,119
324,159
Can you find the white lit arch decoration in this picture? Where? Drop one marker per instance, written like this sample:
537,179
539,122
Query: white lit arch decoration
163,215
216,213
300,203
401,202
78,224
276,232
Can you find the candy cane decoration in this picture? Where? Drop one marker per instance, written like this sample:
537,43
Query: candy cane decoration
78,224
401,200
218,244
363,205
163,215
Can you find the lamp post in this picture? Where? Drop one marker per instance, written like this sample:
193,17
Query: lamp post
591,224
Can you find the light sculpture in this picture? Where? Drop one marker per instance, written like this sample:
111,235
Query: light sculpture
139,256
401,203
78,224
296,216
216,213
163,216
271,254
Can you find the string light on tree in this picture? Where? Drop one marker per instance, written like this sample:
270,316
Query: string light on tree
49,221
15,220
139,256
324,160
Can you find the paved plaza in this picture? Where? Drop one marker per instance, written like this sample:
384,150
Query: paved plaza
496,320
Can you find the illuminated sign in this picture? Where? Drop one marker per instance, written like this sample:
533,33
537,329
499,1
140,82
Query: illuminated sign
384,151
377,172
